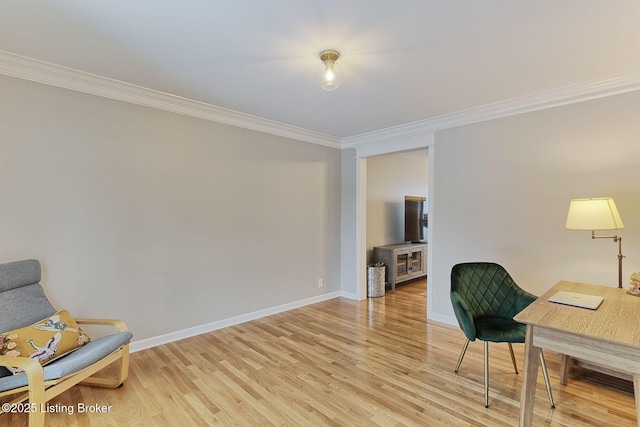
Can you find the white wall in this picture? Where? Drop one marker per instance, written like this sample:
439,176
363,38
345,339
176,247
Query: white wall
390,177
163,220
503,191
350,268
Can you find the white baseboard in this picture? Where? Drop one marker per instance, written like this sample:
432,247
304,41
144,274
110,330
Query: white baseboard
349,295
219,324
449,320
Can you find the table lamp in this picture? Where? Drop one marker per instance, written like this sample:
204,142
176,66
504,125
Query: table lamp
597,214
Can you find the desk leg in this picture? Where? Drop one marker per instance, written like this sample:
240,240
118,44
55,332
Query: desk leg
636,392
527,398
564,369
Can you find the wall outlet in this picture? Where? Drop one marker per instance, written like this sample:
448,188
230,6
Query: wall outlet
320,283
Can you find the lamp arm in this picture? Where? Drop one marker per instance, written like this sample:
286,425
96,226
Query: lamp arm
617,239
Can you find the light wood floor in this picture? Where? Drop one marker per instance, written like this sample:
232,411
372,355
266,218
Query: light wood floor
338,363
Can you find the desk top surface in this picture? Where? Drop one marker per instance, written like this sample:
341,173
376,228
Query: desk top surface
617,318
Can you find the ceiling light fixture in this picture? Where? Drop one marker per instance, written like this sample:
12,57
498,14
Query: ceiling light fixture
331,73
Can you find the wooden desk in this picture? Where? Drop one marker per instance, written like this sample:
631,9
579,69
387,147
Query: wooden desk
608,336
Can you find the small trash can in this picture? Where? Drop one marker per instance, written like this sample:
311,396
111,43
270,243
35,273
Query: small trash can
376,282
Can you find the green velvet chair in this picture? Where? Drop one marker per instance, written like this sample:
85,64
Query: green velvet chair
485,299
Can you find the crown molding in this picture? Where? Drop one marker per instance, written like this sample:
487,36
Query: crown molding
388,139
47,73
570,94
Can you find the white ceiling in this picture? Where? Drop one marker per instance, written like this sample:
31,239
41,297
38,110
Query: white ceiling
403,60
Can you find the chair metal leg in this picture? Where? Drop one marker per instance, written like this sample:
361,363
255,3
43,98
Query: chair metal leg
545,374
464,350
513,358
486,374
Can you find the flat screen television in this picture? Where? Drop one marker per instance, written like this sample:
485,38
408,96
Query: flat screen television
415,219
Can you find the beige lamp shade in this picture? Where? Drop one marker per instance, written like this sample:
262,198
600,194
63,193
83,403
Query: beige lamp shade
593,214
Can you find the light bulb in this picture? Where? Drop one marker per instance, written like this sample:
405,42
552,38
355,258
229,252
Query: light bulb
330,75
329,71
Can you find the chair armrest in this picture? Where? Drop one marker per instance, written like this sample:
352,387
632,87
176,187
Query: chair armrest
25,363
34,371
35,381
524,300
464,316
118,324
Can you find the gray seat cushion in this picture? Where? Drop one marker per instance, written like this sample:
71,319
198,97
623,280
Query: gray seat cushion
22,300
19,273
23,307
81,358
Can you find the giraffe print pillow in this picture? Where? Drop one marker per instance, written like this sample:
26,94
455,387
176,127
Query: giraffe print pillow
45,340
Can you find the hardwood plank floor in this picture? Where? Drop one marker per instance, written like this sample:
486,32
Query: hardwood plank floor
338,363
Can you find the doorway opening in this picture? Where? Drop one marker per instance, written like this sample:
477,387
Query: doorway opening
388,212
